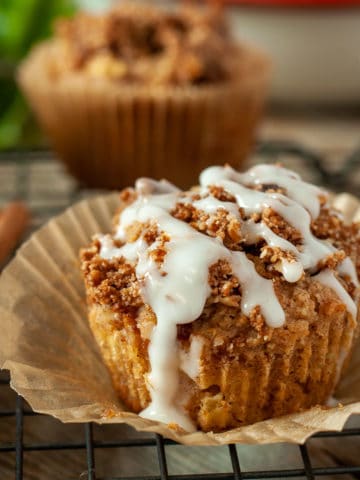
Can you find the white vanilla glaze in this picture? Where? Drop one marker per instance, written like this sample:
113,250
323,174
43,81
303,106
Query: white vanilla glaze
328,278
347,268
148,186
295,213
177,289
190,361
302,192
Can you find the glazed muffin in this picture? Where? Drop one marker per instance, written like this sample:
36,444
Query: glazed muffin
227,304
142,91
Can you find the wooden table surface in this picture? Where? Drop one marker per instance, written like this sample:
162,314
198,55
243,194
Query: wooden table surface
333,135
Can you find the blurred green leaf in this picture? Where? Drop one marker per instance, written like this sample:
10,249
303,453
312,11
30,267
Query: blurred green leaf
22,23
8,90
12,122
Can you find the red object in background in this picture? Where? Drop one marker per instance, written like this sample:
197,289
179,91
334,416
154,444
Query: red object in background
294,3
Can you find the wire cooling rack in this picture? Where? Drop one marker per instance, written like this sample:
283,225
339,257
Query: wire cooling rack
38,179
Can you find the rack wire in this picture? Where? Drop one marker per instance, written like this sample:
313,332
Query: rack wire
39,179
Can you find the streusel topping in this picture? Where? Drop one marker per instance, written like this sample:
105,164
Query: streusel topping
146,45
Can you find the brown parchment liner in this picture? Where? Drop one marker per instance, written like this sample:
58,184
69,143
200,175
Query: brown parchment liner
107,132
54,361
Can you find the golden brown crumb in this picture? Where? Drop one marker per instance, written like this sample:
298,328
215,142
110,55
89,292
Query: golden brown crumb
221,224
221,194
333,260
279,226
343,236
109,282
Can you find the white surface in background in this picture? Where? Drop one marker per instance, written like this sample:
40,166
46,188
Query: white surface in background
315,52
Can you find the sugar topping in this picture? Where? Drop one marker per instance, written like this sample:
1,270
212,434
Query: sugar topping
177,288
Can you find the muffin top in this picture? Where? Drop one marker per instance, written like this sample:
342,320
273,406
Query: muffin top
146,45
266,226
250,248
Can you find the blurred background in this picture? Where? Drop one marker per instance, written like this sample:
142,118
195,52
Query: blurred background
313,45
311,124
22,24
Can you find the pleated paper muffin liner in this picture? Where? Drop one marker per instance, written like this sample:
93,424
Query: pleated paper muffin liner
108,134
55,363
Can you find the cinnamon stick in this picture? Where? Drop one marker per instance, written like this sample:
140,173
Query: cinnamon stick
14,219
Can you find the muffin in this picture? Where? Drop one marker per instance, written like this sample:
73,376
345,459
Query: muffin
142,91
227,304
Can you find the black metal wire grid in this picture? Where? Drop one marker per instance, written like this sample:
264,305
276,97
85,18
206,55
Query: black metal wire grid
21,165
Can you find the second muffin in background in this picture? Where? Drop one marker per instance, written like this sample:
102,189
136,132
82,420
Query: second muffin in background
141,91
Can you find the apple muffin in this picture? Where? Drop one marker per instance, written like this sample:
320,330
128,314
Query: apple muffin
141,90
227,304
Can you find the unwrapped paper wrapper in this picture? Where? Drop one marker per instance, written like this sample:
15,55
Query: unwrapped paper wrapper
54,361
105,131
